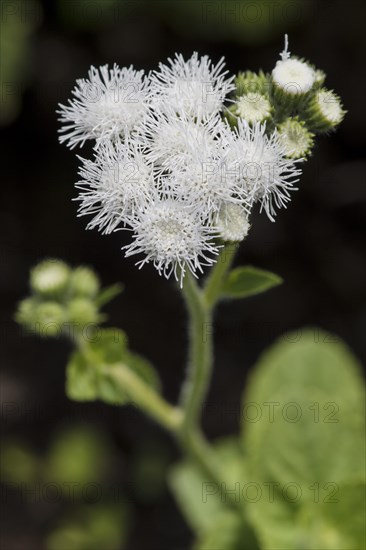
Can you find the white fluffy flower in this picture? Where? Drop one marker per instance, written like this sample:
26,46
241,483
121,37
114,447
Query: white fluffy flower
259,164
202,181
168,138
114,184
170,234
195,86
293,76
108,104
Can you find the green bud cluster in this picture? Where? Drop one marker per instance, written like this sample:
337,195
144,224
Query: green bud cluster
291,100
60,297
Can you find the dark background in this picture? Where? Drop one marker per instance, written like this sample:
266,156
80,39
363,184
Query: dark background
316,245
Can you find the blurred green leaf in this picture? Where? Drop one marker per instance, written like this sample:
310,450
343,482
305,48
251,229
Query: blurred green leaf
86,377
303,431
78,455
229,533
203,506
17,463
92,528
246,281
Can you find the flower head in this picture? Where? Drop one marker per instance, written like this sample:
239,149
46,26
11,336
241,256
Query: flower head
202,181
196,86
259,165
171,235
108,104
113,184
168,138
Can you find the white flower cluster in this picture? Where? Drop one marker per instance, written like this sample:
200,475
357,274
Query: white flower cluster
167,165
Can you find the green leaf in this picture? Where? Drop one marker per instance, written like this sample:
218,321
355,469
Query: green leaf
205,509
246,281
108,293
86,376
303,431
228,533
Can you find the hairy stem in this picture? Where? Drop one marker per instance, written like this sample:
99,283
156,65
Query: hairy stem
145,398
200,304
215,279
200,353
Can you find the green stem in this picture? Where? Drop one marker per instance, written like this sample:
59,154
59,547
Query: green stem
214,281
145,398
200,353
200,304
192,441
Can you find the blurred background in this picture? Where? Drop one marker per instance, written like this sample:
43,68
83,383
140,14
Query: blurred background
84,476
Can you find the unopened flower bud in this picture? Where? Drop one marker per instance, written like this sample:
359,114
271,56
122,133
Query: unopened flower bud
50,278
325,111
84,282
232,223
81,311
295,138
292,79
253,107
49,318
25,313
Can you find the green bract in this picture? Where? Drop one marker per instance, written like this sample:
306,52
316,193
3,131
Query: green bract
254,83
